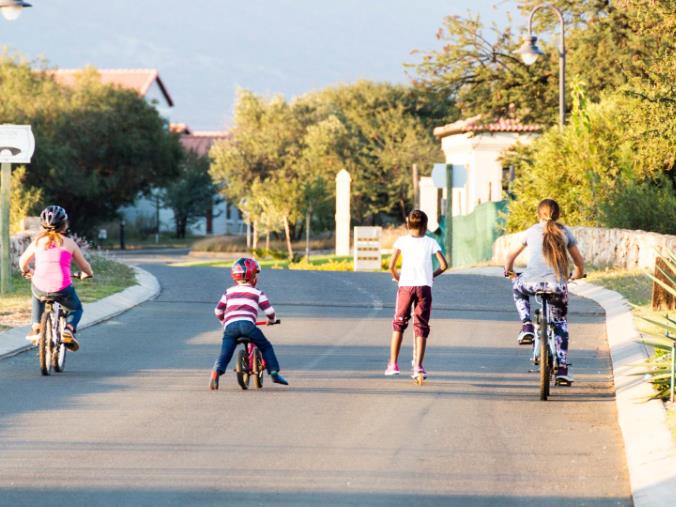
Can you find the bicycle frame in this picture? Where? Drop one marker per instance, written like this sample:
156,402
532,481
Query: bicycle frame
541,299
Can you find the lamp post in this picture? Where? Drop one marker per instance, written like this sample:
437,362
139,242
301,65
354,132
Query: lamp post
529,52
11,9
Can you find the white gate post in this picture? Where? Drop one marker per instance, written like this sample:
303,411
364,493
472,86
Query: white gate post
343,213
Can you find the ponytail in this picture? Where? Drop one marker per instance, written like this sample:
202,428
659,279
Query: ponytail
53,236
554,241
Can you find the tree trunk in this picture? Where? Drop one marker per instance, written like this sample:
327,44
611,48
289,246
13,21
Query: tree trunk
287,231
254,239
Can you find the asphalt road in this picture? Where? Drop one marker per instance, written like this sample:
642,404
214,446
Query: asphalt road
132,422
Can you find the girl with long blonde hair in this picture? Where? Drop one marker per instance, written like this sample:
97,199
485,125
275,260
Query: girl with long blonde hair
549,244
52,252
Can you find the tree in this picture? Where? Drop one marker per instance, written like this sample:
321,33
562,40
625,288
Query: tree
24,199
484,75
190,193
97,146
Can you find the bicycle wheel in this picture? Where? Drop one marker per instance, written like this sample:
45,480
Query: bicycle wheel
45,343
242,369
545,361
259,371
59,352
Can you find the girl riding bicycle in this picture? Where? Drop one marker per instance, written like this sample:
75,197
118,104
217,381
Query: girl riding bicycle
52,251
549,244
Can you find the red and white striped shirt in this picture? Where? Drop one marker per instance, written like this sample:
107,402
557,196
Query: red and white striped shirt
243,302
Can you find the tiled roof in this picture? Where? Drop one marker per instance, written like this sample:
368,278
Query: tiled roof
200,142
180,128
139,80
474,124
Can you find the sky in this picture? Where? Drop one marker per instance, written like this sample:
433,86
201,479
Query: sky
204,50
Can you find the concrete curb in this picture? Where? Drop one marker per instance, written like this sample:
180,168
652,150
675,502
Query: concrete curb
649,447
13,342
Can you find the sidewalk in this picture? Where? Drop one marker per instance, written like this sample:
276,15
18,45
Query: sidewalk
13,342
649,447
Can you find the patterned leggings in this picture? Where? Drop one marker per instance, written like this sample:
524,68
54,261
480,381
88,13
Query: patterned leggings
558,303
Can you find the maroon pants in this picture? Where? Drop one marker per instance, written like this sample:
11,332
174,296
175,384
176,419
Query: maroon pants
420,298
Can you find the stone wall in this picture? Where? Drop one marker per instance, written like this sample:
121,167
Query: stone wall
17,244
620,248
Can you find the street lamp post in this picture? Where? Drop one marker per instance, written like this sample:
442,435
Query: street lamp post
10,9
529,52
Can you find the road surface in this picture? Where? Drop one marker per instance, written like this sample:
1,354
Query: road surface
131,422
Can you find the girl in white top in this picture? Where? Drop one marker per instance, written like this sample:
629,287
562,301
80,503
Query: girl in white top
415,289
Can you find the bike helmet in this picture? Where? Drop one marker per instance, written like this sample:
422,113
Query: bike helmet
53,217
244,268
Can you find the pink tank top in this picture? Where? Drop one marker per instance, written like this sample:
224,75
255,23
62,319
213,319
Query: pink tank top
52,269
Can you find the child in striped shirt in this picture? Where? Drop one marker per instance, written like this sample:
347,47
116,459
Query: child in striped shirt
237,311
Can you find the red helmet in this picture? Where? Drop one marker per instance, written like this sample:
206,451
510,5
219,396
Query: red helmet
244,268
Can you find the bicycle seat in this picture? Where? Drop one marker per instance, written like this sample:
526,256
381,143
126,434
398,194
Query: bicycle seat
47,299
545,292
243,339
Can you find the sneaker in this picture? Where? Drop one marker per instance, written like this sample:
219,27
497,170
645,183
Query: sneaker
392,369
213,380
278,379
418,370
527,334
68,339
563,376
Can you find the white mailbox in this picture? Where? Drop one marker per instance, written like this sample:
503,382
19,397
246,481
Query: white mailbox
17,144
367,255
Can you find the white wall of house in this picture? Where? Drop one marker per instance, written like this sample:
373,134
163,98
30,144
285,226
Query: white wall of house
225,221
480,155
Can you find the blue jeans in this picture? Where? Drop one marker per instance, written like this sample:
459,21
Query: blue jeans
67,298
245,329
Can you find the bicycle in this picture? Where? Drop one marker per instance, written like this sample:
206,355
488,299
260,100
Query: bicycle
250,362
51,349
544,343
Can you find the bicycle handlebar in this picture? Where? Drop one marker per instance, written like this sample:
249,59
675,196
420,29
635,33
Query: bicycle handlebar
267,322
513,274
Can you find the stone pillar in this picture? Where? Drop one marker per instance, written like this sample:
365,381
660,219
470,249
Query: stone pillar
343,212
429,202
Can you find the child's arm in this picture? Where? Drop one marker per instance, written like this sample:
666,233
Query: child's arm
81,261
26,258
578,260
264,304
443,264
219,311
393,264
509,264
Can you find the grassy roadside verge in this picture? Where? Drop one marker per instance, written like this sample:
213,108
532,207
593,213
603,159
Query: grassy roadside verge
110,277
636,287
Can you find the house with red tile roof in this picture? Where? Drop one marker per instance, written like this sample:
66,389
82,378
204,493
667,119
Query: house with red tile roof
146,82
474,146
223,218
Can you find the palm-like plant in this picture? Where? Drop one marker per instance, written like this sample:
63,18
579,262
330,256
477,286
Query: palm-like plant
661,366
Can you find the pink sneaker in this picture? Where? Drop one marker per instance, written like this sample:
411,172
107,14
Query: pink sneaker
392,369
417,370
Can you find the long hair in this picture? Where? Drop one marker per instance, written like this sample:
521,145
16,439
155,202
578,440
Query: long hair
55,236
554,241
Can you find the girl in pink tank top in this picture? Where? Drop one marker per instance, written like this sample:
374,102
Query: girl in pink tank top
52,252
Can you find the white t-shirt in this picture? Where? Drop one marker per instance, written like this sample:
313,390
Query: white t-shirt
416,263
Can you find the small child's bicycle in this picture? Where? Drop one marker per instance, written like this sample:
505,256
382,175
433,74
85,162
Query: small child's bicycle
250,363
